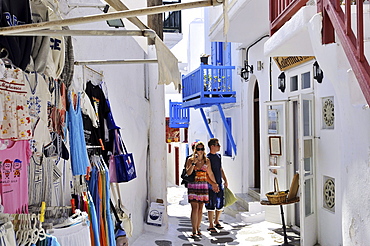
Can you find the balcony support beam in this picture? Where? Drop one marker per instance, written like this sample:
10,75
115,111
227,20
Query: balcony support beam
206,123
228,130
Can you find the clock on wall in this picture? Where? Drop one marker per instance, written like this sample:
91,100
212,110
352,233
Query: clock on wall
328,113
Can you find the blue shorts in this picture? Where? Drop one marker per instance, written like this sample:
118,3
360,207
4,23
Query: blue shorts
216,200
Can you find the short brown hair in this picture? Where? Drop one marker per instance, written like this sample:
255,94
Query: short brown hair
212,141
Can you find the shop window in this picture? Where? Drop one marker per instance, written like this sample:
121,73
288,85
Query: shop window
306,80
294,83
228,146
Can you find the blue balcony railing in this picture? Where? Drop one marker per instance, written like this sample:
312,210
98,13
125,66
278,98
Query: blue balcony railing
208,85
179,116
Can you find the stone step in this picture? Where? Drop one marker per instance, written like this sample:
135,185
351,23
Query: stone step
241,205
255,193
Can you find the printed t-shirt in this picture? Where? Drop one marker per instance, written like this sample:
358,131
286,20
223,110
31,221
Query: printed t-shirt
14,176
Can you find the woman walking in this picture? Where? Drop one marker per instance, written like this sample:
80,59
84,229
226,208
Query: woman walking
198,190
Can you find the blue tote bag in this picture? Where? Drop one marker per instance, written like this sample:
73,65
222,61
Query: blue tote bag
124,161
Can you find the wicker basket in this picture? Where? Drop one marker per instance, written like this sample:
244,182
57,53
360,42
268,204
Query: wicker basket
277,196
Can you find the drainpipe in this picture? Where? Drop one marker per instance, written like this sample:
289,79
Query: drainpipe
246,64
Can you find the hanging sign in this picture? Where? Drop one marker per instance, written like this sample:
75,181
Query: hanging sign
286,62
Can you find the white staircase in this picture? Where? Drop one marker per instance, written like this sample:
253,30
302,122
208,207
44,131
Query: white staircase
247,208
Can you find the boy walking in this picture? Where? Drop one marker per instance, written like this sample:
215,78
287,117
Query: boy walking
216,200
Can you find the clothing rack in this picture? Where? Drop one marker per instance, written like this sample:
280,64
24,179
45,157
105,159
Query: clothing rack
93,147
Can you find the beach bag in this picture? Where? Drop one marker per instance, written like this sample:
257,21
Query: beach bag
124,161
230,198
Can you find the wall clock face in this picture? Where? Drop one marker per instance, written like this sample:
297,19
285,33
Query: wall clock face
328,112
329,193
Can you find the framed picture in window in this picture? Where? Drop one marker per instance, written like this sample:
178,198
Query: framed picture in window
275,145
272,121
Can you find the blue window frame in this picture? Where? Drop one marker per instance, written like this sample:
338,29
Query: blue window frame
228,145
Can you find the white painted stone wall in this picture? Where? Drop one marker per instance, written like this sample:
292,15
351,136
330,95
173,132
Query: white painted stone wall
140,113
342,153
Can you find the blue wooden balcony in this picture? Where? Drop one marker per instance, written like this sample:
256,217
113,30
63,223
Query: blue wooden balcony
179,116
208,85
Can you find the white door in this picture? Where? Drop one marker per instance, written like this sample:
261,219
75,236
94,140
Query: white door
308,213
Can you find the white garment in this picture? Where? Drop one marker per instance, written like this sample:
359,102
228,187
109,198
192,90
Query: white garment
7,235
75,235
87,109
168,70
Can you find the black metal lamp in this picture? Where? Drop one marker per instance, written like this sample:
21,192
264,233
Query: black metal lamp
281,82
246,70
113,23
318,74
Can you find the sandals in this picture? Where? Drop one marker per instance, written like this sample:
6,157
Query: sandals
212,230
219,226
193,236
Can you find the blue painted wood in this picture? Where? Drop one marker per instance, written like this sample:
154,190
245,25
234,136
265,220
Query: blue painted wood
179,116
228,149
228,130
206,123
208,81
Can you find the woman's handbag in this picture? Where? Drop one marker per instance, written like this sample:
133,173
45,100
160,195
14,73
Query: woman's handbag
124,161
230,198
187,178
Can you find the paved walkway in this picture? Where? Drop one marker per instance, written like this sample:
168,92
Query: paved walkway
234,232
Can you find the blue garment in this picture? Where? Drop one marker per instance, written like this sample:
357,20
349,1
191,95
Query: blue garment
216,200
112,238
54,241
215,160
94,220
79,158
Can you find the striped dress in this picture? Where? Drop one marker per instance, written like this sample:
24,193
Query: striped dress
198,190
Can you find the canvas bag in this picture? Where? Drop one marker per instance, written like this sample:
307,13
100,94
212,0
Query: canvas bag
124,161
112,169
230,198
121,213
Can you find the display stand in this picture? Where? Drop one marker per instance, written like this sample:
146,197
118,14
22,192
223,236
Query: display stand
294,200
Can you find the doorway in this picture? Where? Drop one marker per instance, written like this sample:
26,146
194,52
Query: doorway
256,138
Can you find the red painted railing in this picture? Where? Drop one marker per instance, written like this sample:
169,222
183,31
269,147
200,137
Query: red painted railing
335,20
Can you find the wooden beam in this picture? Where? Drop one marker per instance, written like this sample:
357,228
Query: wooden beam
105,16
155,22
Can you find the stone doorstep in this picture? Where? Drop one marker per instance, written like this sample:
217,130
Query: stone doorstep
241,205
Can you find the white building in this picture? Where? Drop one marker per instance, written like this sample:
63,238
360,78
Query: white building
319,129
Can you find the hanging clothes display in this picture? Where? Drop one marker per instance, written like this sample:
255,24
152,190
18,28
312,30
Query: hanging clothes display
52,190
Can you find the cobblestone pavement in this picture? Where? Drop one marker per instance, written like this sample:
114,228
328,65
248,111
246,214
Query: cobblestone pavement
234,232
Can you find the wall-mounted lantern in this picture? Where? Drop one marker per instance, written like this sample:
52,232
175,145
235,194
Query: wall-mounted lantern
246,70
318,74
281,82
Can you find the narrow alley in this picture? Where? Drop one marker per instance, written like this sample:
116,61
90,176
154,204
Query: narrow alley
234,232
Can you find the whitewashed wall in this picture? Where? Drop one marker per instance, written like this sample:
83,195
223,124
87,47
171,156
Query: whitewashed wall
342,153
140,119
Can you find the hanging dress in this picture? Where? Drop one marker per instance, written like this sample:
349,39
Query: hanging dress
198,190
78,153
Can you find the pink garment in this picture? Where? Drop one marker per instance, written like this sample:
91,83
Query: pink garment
14,162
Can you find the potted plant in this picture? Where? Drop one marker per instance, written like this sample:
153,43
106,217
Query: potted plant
204,59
